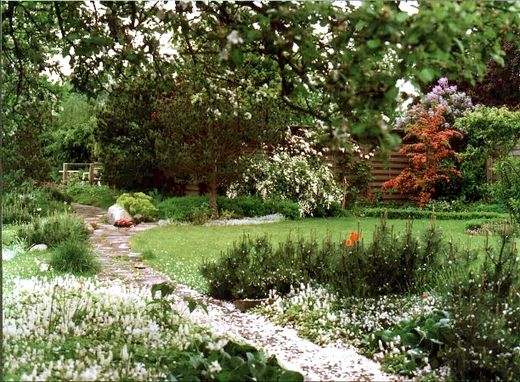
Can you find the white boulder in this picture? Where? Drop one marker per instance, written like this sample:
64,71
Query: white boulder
117,212
38,247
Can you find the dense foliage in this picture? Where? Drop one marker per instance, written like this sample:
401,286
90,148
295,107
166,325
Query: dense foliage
126,133
206,126
501,83
392,263
139,203
507,187
72,136
53,230
491,133
192,208
381,38
26,202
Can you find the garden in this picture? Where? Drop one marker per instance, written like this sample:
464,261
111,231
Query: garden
261,191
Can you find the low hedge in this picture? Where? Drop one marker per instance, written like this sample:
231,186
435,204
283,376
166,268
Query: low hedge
416,213
183,208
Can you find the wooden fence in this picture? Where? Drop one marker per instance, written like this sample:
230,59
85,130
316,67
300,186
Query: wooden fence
383,170
90,172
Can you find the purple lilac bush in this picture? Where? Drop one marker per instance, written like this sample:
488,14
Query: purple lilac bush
443,94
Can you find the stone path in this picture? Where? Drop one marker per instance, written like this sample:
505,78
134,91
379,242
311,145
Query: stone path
113,247
315,362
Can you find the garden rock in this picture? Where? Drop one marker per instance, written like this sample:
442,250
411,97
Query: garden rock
38,247
116,213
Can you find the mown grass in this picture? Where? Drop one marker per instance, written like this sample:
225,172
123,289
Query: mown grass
180,250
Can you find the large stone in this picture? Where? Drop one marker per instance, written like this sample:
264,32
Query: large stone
38,247
117,212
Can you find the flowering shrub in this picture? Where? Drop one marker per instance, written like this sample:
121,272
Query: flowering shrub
431,158
81,329
300,178
442,96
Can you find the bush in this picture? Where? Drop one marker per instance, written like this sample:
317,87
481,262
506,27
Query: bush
416,213
53,230
23,205
305,180
429,147
391,264
507,189
186,208
491,133
287,208
74,255
180,208
139,203
100,196
253,267
487,226
486,311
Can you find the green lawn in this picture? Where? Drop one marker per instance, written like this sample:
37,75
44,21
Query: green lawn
180,250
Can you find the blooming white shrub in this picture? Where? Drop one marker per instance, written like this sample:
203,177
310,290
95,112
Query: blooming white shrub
301,178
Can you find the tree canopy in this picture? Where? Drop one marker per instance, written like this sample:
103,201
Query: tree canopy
348,55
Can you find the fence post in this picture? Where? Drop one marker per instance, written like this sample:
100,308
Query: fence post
91,173
65,172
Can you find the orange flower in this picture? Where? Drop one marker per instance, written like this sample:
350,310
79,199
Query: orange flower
348,243
354,236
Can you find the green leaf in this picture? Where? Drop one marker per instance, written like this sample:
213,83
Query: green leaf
360,25
290,376
374,43
165,288
426,75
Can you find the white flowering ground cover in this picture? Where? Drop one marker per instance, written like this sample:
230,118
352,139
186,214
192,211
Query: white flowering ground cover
326,319
70,328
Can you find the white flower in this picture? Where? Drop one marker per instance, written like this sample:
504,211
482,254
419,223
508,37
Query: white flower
214,367
247,115
44,267
124,353
234,38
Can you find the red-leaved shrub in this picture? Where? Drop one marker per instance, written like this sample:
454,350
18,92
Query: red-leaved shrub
431,157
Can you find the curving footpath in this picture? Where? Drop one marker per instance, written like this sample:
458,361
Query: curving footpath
316,363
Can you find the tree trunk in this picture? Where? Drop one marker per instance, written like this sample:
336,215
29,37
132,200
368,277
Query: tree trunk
213,195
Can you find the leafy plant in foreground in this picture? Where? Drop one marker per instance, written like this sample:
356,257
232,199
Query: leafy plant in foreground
75,256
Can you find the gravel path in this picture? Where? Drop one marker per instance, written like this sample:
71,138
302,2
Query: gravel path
315,362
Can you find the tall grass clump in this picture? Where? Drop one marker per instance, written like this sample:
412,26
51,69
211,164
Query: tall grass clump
75,256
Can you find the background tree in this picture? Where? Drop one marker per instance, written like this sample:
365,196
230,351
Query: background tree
125,132
72,136
351,54
501,84
207,125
